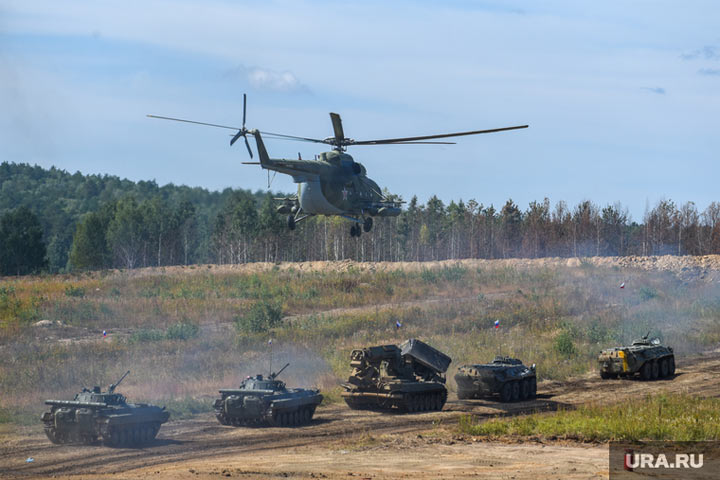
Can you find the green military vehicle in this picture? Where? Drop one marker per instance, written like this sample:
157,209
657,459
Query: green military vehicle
646,357
266,401
504,376
403,378
94,414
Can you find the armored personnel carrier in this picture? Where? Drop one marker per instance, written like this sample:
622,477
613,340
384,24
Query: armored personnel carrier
94,414
266,401
504,376
647,357
407,378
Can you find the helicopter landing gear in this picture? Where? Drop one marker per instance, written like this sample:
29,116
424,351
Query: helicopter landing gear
291,222
355,230
368,224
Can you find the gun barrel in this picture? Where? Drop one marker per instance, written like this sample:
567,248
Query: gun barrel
281,370
114,385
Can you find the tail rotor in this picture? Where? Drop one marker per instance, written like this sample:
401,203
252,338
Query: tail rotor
243,131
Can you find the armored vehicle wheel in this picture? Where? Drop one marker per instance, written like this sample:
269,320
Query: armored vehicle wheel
307,415
655,370
297,418
646,371
515,391
524,389
671,366
291,222
533,387
368,224
506,393
664,368
52,435
604,375
222,419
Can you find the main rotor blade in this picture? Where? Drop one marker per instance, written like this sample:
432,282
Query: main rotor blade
442,135
337,127
193,121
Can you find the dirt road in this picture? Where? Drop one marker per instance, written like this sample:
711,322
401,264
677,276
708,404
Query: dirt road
343,443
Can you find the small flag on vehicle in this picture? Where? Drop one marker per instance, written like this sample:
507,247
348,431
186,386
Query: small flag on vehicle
497,323
622,285
397,324
104,333
270,342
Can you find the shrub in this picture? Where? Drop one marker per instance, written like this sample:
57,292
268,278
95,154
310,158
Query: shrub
648,293
146,335
73,291
261,317
184,330
564,344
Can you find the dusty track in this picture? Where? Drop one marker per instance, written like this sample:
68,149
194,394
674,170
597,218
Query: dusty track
342,442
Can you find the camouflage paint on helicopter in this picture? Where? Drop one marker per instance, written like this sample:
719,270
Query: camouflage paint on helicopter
334,183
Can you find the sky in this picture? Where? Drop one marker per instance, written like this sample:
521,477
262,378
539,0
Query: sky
622,98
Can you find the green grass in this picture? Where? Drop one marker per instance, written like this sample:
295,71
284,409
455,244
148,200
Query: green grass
676,417
186,333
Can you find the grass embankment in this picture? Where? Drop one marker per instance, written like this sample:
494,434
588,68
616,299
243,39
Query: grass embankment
187,333
676,417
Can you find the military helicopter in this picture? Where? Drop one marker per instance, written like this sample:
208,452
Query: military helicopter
333,183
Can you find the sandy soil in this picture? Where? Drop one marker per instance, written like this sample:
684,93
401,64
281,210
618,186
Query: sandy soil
342,443
706,267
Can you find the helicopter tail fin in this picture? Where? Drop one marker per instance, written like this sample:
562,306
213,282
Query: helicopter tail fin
262,152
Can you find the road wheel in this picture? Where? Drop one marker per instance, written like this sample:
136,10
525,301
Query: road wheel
604,375
646,371
533,387
291,222
52,434
368,224
524,389
506,392
515,391
664,368
671,366
655,370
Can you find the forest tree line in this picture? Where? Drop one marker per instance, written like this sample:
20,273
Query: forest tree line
54,221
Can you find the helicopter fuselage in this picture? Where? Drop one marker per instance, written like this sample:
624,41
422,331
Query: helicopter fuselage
333,184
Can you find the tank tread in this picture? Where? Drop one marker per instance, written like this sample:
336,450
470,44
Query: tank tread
293,418
281,418
131,434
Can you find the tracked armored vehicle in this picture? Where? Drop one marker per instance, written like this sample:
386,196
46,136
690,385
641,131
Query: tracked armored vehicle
95,415
646,357
405,378
504,376
266,401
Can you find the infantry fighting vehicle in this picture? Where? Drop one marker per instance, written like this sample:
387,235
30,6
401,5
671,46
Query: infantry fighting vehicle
504,376
266,401
408,377
94,414
647,357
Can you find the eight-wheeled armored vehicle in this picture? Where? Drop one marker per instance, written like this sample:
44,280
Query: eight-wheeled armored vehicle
94,414
408,377
647,357
266,401
504,376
